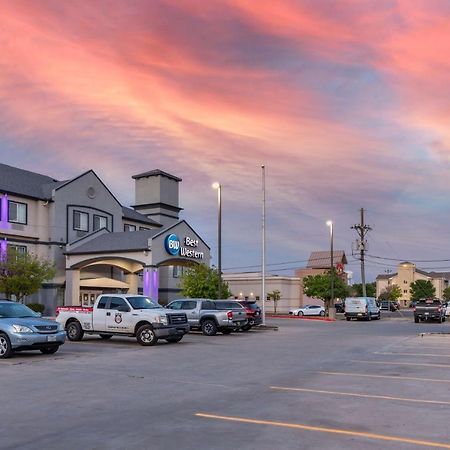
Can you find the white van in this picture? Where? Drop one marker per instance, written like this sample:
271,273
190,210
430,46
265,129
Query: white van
361,308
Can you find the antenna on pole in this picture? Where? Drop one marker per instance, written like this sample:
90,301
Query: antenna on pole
361,246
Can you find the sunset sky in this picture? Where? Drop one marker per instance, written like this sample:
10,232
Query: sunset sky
347,103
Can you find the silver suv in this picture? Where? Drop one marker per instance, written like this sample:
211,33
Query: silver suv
23,329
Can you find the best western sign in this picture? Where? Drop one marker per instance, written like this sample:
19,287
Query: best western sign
186,248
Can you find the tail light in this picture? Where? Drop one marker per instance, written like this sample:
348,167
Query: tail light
230,315
414,309
57,312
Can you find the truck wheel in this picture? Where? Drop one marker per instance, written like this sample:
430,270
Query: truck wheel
416,319
5,346
146,335
106,336
209,328
348,319
74,331
49,350
174,340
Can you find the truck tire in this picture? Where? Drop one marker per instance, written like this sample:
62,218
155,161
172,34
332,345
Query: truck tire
5,346
348,319
74,331
49,350
105,336
209,328
146,335
416,319
174,340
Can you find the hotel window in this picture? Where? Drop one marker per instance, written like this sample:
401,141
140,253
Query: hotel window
128,227
20,249
100,222
405,291
177,271
17,212
80,221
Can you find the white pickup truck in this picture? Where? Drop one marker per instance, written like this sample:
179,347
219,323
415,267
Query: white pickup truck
123,315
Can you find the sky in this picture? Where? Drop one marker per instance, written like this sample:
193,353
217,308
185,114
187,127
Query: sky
346,103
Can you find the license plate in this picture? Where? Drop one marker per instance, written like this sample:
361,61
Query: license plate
427,314
51,338
359,314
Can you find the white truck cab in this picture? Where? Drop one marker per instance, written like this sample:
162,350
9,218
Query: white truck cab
126,315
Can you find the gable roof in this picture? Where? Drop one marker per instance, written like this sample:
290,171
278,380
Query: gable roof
115,242
321,259
24,183
131,214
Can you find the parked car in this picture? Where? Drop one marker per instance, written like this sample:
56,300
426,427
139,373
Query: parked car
123,315
308,310
23,329
447,309
429,309
362,308
389,305
253,314
211,316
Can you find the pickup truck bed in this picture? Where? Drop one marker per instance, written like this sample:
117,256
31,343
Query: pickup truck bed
429,309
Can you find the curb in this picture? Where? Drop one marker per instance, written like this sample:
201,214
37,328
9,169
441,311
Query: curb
265,327
285,316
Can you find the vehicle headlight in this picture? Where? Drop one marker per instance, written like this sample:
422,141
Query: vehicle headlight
162,318
22,329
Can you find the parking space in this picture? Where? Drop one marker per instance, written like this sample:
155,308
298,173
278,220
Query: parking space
309,385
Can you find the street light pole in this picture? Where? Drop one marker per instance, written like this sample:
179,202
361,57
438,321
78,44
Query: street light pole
330,224
218,186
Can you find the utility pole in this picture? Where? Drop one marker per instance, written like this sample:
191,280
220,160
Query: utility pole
362,229
263,256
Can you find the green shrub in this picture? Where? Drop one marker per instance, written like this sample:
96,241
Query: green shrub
36,307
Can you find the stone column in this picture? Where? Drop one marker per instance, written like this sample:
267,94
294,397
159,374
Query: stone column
150,282
72,293
132,280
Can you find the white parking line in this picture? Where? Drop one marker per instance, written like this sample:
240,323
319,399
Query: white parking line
394,363
392,377
351,394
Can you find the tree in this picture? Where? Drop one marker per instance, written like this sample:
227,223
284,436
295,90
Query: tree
201,281
422,289
446,294
275,296
319,286
391,293
22,274
371,289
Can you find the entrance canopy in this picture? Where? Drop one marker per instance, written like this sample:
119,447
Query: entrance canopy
133,252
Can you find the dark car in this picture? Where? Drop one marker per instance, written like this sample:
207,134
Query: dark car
340,307
253,314
429,309
389,305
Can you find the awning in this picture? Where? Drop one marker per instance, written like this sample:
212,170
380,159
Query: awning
103,283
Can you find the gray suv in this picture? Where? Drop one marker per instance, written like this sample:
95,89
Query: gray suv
23,329
211,316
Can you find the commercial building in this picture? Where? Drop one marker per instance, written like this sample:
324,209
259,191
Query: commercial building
97,244
407,273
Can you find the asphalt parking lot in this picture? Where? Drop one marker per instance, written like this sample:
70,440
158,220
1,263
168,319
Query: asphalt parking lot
309,385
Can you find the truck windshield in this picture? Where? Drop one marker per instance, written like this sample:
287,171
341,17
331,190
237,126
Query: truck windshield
16,311
142,303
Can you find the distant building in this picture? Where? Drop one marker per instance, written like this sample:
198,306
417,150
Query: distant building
319,263
247,286
406,274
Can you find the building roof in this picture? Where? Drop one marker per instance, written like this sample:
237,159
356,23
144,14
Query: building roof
386,276
25,183
131,214
321,259
156,172
116,242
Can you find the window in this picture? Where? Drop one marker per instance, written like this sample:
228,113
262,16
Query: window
102,303
128,227
118,304
80,221
175,305
177,271
100,222
17,212
189,305
208,305
405,282
405,291
20,249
